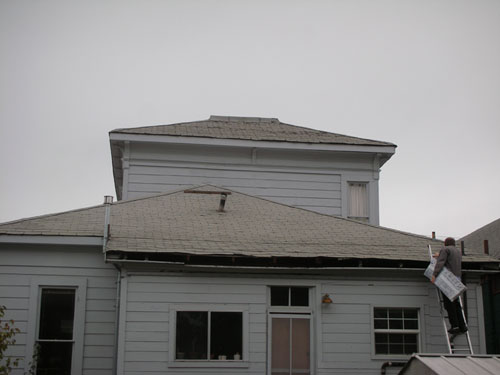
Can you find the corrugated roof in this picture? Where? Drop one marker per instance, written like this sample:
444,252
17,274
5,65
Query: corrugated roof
250,128
186,223
436,364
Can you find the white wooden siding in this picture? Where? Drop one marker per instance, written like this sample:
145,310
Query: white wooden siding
19,265
307,179
343,331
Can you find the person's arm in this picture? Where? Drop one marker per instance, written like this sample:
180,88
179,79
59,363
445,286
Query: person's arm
441,260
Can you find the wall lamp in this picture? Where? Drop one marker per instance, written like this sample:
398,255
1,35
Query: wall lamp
326,299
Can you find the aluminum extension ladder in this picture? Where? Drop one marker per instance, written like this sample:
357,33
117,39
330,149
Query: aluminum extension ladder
452,348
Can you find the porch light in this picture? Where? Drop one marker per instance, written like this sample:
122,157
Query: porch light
326,299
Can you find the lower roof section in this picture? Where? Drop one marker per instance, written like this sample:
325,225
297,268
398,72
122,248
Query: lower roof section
452,364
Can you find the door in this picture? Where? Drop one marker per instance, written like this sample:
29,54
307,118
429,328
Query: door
290,343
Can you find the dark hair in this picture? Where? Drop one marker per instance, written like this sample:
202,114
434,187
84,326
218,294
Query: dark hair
449,242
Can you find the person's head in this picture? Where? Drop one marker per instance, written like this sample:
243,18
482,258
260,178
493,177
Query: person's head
449,242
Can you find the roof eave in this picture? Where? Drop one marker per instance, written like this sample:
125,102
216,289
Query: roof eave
51,240
381,149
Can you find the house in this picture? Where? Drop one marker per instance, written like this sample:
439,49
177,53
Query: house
488,239
216,278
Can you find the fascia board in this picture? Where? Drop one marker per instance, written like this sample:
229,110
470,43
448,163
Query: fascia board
51,240
251,144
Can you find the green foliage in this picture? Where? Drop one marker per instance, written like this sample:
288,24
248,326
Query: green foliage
7,333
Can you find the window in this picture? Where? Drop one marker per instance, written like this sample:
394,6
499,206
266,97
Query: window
56,324
358,207
200,333
289,296
396,330
55,331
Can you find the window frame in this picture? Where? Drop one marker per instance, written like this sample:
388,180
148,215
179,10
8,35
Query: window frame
419,332
291,309
199,363
79,284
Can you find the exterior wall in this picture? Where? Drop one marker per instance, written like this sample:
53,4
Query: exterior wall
342,331
312,180
24,268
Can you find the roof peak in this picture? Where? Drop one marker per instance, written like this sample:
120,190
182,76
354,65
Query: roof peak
242,119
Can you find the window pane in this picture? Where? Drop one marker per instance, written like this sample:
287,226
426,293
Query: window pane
380,324
395,324
381,349
396,349
300,346
410,313
380,313
279,295
192,335
358,200
226,334
280,350
411,324
299,296
395,314
54,358
57,311
410,339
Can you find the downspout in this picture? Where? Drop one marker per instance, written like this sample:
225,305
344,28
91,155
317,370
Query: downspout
117,317
108,200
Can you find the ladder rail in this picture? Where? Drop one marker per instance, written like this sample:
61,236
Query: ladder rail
449,337
443,320
469,343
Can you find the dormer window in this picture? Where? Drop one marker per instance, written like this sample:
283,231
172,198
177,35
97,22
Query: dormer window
358,201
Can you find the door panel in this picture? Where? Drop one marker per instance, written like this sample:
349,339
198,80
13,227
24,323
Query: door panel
290,346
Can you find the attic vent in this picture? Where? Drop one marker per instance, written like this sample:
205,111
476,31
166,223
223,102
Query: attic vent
223,196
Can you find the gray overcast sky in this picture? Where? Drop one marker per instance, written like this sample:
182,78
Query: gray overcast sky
422,74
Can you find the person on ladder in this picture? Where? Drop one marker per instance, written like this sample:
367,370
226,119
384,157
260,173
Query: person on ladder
451,257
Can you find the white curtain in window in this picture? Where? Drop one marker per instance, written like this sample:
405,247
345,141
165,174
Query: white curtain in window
358,202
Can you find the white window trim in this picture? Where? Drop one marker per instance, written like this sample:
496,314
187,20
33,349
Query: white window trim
80,286
201,363
421,333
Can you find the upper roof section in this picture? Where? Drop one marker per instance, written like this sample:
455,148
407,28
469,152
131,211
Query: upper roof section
250,129
181,223
491,233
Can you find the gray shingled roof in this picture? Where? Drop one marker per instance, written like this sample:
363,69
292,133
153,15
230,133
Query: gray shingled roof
250,128
490,232
187,223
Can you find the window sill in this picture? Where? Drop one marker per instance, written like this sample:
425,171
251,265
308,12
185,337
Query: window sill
392,357
208,364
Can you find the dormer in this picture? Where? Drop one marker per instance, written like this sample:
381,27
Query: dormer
316,170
